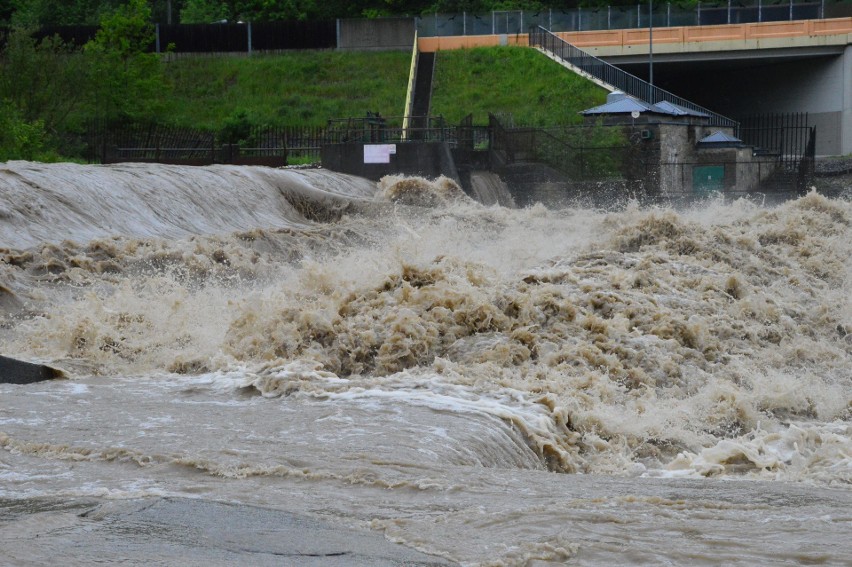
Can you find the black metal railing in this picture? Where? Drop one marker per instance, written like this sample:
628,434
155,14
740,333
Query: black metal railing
150,142
580,152
466,133
376,129
615,77
212,38
624,16
785,134
109,142
500,141
788,138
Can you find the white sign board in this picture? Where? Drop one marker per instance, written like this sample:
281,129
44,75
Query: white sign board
378,153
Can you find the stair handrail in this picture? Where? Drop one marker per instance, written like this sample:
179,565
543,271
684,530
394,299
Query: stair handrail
615,77
409,92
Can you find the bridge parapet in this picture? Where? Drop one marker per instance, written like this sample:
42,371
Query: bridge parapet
836,31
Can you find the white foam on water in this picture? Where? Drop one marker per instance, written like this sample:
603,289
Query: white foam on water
423,364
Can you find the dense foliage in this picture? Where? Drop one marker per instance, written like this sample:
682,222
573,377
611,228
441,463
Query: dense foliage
72,12
48,89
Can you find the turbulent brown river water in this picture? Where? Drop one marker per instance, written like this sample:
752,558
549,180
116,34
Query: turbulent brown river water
487,385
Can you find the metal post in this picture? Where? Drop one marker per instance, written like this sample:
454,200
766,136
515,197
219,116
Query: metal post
791,10
699,13
464,23
157,34
493,24
249,38
609,17
579,19
759,10
729,11
669,14
651,45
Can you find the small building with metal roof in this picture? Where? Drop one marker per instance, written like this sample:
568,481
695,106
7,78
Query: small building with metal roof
679,150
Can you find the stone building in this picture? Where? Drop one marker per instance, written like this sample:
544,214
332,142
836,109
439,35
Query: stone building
677,151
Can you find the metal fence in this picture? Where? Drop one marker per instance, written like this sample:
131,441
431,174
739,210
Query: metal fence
788,138
612,75
597,153
590,158
275,146
248,37
782,134
213,38
626,17
376,129
586,152
150,142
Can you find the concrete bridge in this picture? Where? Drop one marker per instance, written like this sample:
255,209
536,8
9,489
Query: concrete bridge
733,69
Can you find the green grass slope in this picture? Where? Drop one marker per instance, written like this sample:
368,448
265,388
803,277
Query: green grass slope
519,81
309,88
304,88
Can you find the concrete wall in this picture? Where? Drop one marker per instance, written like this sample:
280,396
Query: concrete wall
376,34
424,159
822,87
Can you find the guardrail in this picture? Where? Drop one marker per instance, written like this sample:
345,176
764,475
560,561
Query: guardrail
664,14
615,77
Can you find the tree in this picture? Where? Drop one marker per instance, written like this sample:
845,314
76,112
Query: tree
38,13
42,80
203,11
128,78
20,139
167,11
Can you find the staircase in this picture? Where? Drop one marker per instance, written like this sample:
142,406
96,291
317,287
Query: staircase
422,95
612,78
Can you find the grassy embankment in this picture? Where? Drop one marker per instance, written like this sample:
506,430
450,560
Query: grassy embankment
308,88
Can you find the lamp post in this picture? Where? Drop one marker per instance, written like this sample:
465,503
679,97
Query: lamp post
651,43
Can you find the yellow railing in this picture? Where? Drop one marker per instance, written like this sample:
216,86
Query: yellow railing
409,94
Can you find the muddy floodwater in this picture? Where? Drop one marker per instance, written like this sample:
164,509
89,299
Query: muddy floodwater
301,367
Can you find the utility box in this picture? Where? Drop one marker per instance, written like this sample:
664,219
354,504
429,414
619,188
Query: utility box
708,178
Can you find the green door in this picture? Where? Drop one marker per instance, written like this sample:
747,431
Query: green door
708,178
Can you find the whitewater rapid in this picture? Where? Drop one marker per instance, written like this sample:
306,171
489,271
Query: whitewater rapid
413,361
